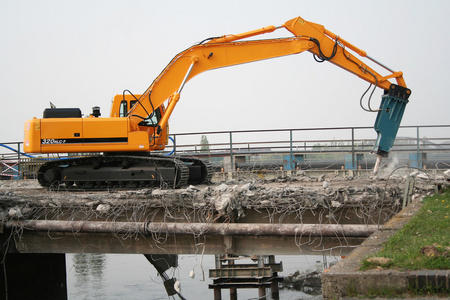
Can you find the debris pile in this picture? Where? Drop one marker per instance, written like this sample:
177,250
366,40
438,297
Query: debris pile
308,282
211,203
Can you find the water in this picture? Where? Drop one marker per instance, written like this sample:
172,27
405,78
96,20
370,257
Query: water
129,276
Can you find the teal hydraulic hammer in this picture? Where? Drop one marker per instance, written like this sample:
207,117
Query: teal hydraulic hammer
389,116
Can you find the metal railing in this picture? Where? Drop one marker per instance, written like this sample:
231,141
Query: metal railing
320,143
289,148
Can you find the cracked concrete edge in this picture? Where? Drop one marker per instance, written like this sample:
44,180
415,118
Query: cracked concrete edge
344,278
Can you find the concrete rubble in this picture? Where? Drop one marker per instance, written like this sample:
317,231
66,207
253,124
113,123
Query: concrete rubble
308,282
230,200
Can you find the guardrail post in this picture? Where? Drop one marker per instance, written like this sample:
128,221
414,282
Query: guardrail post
353,149
19,165
291,161
416,159
231,150
419,159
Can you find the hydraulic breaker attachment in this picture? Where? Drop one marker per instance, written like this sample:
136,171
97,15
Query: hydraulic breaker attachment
389,117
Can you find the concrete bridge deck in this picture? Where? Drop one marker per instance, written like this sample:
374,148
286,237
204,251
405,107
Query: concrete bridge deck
288,215
300,215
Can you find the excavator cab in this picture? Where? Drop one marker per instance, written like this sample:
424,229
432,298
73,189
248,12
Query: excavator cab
121,107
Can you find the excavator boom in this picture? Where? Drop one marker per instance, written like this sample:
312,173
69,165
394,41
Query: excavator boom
231,50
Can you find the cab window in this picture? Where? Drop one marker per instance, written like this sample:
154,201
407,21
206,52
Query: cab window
123,109
153,119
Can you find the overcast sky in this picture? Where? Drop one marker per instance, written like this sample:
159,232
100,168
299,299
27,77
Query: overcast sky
82,53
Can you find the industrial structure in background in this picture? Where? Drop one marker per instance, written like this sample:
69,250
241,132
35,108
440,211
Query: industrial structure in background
138,124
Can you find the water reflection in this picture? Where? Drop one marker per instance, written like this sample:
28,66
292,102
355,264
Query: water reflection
88,270
131,276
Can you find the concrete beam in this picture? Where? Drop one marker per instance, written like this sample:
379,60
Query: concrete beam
40,236
57,242
240,229
222,229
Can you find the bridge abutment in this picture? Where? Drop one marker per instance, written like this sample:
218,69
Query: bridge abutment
33,276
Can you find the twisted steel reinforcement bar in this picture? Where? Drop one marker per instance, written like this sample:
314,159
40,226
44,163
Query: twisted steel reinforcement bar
222,229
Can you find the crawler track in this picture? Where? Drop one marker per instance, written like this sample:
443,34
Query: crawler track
124,172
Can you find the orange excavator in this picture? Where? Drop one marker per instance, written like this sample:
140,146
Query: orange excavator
138,124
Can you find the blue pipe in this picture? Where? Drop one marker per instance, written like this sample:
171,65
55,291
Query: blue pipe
21,153
173,150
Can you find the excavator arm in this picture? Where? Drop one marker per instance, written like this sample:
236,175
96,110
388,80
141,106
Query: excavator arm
232,50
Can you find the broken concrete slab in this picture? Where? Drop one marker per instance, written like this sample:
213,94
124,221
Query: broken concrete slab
232,200
288,202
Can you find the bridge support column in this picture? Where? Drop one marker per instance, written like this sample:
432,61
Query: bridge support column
262,292
33,276
217,293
